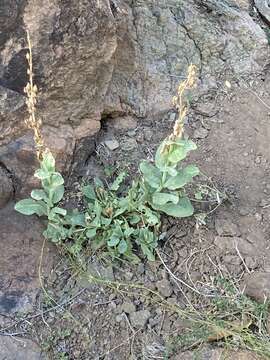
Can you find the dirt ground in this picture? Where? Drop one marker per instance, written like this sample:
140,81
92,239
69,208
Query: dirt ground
82,320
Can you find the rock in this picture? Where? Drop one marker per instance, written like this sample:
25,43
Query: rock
92,62
129,144
164,287
123,123
257,285
112,144
19,349
98,270
20,248
263,8
226,227
139,318
200,133
208,353
228,245
6,187
128,307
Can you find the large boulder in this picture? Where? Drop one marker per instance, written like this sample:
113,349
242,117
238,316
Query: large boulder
97,59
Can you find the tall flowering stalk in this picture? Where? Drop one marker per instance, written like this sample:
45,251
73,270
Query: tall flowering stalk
31,90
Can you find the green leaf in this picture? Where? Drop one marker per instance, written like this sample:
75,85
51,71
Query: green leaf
134,219
89,192
151,174
58,194
122,247
56,180
180,149
48,162
163,198
151,217
30,207
147,252
91,233
77,218
118,181
182,209
39,194
58,210
42,174
113,241
182,178
98,182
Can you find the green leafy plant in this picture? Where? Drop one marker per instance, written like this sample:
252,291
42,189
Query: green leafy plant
121,219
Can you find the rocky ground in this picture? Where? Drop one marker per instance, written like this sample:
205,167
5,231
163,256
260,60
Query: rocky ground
77,319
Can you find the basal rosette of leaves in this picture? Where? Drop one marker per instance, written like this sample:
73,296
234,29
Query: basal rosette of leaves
117,219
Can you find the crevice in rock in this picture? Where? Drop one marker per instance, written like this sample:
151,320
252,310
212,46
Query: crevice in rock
11,176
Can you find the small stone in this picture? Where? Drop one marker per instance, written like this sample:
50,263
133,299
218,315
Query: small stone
243,211
119,318
141,268
251,262
263,203
129,144
200,133
112,144
257,285
139,318
124,123
12,348
131,133
225,227
228,245
128,275
164,287
128,307
258,160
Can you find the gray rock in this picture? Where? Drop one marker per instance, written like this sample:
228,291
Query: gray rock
200,133
19,349
164,287
112,144
139,318
228,245
20,247
129,144
128,63
257,285
96,269
226,227
128,307
6,188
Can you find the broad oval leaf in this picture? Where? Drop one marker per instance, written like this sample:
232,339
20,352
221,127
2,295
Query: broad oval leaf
42,174
151,174
89,192
122,246
183,177
56,180
180,149
114,240
182,209
163,198
91,233
31,207
58,194
39,194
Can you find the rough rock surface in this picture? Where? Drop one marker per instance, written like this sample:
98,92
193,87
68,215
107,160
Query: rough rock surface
257,285
102,59
19,349
20,248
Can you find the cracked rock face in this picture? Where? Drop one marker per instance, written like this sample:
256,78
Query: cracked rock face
96,59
